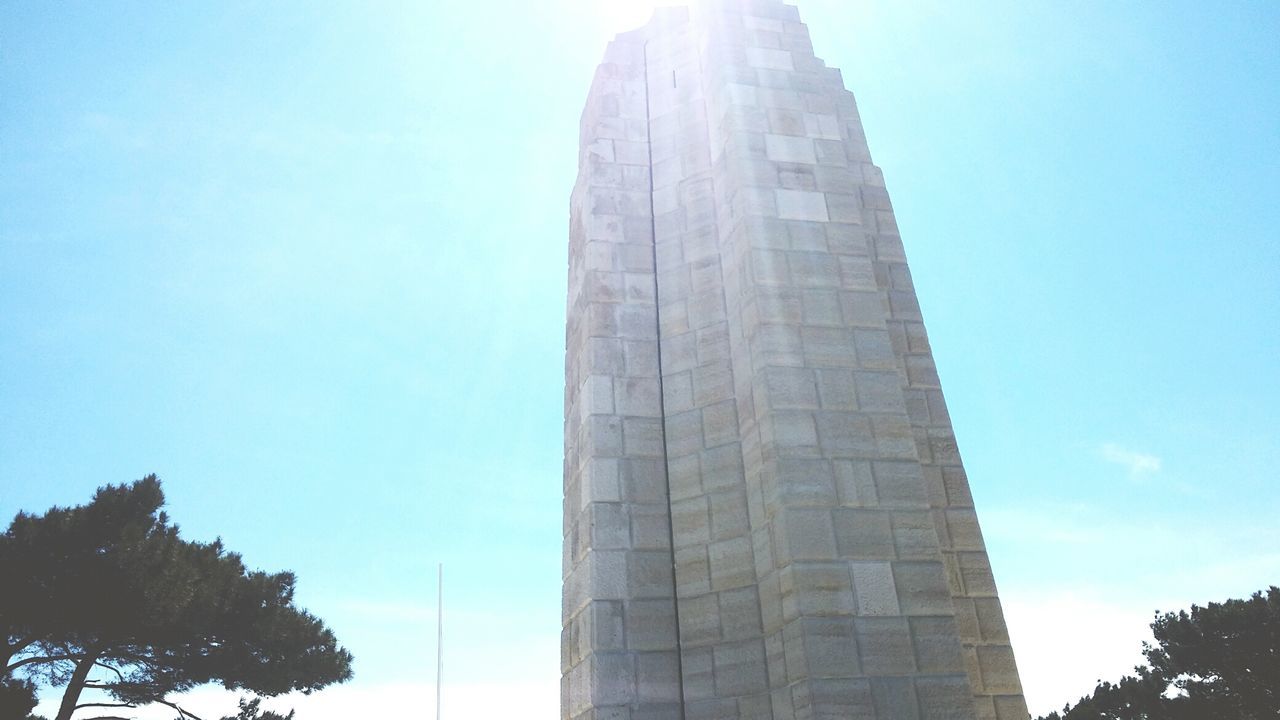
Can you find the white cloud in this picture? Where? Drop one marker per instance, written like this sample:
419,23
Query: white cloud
1138,463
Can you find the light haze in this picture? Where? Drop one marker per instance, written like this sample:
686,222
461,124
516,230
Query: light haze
307,263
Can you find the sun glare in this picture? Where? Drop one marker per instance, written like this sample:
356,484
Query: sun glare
617,16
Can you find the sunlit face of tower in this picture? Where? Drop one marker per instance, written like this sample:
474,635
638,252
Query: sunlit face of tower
617,16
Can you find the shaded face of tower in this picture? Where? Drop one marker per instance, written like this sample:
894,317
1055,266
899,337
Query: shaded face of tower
765,511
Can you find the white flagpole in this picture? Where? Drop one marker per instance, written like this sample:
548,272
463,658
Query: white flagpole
439,636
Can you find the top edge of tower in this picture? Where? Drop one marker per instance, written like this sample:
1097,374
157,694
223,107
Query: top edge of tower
666,16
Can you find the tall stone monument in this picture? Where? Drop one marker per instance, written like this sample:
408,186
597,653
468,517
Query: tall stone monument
766,515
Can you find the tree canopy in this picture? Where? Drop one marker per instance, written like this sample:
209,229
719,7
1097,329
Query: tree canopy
108,597
1221,661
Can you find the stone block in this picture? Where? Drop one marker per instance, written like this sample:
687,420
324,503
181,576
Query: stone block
712,383
649,575
875,351
650,527
612,678
740,614
874,589
822,307
845,434
691,521
728,514
640,358
896,438
966,618
836,389
740,668
700,620
605,629
1011,707
794,428
693,570
602,436
855,483
900,485
713,344
642,436
769,267
721,467
801,482
778,345
991,622
806,534
789,148
601,482
677,390
814,588
643,480
684,433
884,646
962,525
937,645
769,59
650,625
806,236
829,347
830,648
957,485
731,563
610,526
637,397
781,121
944,698
914,535
801,205
863,535
780,305
922,588
791,388
894,698
720,424
814,269
975,571
999,671
698,667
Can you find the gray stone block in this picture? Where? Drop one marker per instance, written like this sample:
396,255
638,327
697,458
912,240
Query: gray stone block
884,646
864,534
874,589
937,645
830,647
922,588
944,698
731,563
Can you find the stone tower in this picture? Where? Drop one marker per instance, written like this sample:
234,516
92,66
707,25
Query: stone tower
765,512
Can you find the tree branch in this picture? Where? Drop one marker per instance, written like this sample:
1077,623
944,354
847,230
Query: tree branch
181,712
123,705
16,645
112,668
42,659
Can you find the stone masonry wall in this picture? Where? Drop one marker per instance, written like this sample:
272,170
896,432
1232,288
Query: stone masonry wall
765,511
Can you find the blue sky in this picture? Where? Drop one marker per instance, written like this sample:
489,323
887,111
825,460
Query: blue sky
307,262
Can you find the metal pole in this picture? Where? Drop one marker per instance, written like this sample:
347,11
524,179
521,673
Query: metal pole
439,636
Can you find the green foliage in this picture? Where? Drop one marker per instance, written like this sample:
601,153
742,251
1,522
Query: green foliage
1221,661
107,596
250,710
17,698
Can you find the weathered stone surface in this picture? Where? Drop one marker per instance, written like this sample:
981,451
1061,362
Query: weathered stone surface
766,513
